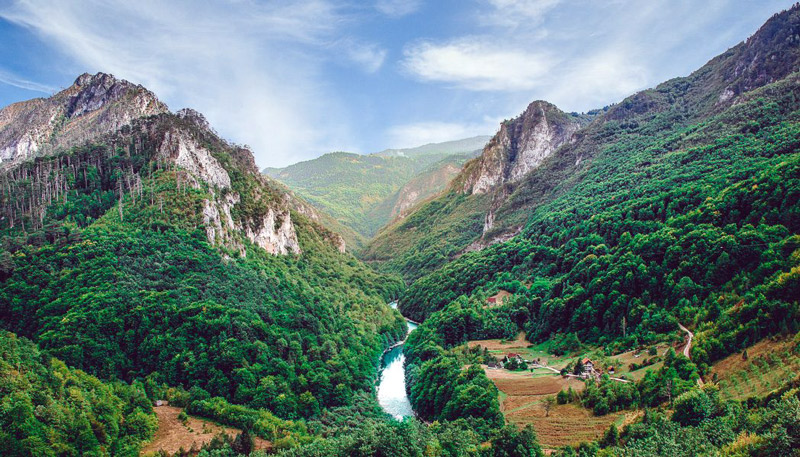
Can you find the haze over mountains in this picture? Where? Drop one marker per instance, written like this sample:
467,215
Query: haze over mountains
365,192
636,266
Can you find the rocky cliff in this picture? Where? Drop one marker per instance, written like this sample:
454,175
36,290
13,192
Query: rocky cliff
92,106
520,146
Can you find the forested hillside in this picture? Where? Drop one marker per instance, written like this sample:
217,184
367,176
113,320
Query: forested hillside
159,251
50,409
679,205
612,268
488,204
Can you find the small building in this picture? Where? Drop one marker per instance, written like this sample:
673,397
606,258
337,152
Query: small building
161,403
512,355
611,370
588,365
499,298
492,365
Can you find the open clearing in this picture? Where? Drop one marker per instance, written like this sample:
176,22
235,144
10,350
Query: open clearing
770,363
567,424
172,434
521,396
522,383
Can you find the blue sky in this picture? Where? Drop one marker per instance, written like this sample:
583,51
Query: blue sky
296,79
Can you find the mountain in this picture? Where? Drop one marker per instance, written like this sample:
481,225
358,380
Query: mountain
149,247
456,147
94,105
676,209
670,202
364,192
463,218
493,197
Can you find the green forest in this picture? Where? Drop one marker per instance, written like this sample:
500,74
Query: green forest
135,270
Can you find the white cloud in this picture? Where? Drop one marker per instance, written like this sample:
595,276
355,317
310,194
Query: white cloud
477,64
420,133
11,79
254,69
398,8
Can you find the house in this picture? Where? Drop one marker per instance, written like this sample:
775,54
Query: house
588,365
499,298
512,355
493,365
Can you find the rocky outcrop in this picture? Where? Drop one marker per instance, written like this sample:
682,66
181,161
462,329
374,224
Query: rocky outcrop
180,147
521,145
275,234
94,105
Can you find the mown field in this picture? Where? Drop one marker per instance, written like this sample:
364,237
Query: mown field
522,403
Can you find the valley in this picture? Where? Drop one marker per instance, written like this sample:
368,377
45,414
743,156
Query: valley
618,282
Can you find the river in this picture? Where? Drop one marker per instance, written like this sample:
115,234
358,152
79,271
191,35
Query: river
392,383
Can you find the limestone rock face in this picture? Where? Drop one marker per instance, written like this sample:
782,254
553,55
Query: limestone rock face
94,105
276,234
181,148
521,145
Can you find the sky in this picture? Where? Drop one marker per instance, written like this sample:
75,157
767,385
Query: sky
296,79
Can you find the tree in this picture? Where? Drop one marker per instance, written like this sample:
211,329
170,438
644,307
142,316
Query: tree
243,443
692,408
548,404
611,437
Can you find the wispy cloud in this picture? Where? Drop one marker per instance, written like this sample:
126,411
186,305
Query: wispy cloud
369,55
398,8
516,13
477,64
9,78
578,57
254,69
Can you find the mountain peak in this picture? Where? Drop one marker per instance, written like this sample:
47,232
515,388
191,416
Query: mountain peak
93,105
520,146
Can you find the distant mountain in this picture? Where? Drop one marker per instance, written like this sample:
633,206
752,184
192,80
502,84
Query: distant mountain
456,147
365,192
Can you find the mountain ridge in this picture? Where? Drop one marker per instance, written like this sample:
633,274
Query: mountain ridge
769,54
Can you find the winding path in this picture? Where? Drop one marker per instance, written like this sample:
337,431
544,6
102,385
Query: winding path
688,348
690,336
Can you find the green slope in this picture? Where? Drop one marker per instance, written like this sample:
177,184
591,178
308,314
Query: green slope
50,409
684,207
126,284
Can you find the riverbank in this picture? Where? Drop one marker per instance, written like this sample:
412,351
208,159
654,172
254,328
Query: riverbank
391,383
